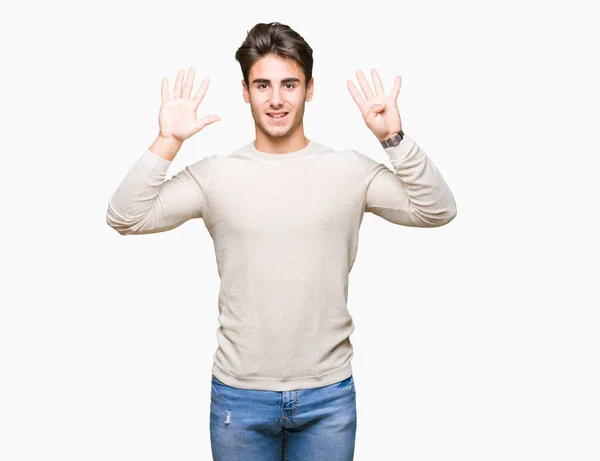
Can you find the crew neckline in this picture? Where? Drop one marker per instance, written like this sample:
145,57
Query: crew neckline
280,156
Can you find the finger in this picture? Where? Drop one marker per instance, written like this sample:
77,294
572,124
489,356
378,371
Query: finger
199,96
364,85
177,90
396,89
165,89
358,99
202,122
375,109
377,82
189,83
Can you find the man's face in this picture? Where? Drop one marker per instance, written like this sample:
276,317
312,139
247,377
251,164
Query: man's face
277,85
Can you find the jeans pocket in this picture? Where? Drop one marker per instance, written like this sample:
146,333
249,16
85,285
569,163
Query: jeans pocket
345,384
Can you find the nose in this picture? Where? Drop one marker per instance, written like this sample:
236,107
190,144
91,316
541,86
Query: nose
276,98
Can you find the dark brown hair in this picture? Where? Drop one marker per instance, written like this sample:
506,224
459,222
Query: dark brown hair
278,39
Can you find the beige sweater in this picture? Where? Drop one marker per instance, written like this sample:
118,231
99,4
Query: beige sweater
285,231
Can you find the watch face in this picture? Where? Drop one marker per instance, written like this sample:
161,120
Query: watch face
395,140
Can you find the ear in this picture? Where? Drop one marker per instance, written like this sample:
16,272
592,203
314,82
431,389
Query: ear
245,92
310,89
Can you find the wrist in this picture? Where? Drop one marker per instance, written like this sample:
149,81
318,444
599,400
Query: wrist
169,140
392,139
166,148
388,135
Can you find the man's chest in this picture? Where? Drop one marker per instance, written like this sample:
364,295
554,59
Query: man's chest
269,203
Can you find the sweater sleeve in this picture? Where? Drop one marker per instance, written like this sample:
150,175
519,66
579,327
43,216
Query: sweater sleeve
414,194
146,203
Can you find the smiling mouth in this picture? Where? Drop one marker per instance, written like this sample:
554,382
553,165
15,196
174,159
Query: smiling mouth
278,117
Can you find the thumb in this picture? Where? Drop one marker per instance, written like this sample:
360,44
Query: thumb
202,122
376,109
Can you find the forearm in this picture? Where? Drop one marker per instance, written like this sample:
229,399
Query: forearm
414,194
131,206
430,200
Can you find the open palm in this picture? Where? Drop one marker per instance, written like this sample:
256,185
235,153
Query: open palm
380,111
177,117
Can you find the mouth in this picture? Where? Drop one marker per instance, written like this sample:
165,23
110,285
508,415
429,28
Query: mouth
277,115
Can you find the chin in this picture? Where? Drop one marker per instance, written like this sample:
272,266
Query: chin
278,131
278,134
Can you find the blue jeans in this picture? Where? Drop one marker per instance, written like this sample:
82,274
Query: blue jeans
317,424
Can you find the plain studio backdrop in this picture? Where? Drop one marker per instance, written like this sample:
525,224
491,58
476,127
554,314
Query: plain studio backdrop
474,341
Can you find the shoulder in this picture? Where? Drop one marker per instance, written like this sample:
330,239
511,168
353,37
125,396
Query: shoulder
359,162
200,169
369,166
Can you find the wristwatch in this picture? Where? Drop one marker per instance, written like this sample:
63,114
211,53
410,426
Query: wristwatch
393,140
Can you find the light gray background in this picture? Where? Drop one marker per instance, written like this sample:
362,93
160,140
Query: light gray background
474,341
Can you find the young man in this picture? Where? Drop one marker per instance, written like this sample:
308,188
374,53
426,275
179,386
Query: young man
284,214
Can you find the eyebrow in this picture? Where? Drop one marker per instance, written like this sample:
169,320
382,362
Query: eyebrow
285,80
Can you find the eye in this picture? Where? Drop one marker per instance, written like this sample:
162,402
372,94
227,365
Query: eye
261,85
291,85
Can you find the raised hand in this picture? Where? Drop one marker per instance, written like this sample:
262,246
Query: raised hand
380,111
177,117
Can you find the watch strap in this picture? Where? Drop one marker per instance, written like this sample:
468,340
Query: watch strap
393,140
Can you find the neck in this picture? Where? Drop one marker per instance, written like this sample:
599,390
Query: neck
283,145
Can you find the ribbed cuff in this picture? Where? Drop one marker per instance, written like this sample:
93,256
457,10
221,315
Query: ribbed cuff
155,161
401,151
